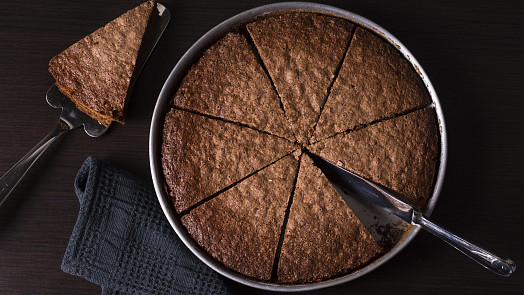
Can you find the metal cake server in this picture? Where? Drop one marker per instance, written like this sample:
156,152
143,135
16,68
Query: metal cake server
377,196
71,117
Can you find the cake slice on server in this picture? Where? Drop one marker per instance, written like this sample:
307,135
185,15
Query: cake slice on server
301,52
202,156
241,227
96,72
323,238
374,82
229,83
400,153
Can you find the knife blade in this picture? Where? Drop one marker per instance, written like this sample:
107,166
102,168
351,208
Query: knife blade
378,196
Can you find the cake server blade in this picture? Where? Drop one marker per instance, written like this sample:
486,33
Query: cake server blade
72,118
380,197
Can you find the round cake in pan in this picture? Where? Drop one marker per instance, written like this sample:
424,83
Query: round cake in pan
234,140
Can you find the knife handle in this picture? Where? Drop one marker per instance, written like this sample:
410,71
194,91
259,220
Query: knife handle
12,177
496,263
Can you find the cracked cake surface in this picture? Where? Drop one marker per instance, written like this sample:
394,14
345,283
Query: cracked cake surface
96,72
222,84
400,154
241,227
227,157
323,237
301,52
374,82
201,156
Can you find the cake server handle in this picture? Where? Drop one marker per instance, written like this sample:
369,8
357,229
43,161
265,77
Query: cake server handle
12,177
494,262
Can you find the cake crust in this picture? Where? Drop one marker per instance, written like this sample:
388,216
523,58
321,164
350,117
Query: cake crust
229,83
201,156
374,82
241,227
401,154
323,237
301,52
95,72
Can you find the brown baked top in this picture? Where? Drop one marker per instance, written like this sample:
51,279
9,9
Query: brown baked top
201,156
323,237
301,51
221,170
228,82
241,227
96,71
401,154
374,82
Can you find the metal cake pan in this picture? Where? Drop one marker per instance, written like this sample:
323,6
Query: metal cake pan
403,238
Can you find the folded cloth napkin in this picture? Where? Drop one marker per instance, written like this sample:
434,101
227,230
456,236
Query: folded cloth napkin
123,242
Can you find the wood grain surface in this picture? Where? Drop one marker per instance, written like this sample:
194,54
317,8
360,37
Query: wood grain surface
473,52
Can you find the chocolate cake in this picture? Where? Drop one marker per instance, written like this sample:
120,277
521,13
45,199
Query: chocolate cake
226,150
221,84
96,72
323,237
202,156
400,154
241,227
301,52
375,82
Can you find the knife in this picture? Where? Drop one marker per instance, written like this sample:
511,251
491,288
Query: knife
380,197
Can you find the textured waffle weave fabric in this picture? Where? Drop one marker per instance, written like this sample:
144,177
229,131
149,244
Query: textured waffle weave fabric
122,241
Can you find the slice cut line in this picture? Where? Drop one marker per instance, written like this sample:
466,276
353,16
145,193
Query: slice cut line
400,154
241,226
214,154
236,88
301,52
323,237
375,82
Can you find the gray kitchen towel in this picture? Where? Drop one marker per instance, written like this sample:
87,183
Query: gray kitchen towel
123,242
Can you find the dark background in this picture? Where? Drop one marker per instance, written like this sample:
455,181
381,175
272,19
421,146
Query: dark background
473,52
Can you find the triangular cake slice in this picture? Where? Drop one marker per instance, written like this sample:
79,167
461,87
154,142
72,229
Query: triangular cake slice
241,227
323,238
201,156
401,154
302,52
228,82
96,72
374,82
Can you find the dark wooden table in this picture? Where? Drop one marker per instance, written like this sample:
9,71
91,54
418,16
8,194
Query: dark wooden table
473,52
